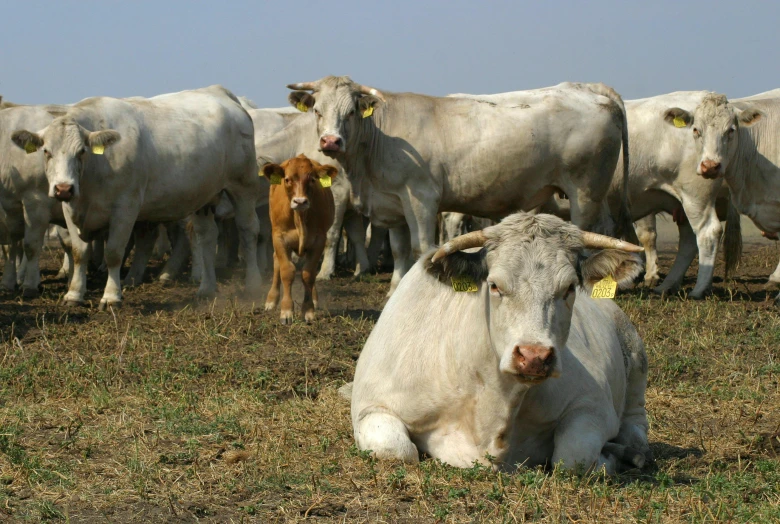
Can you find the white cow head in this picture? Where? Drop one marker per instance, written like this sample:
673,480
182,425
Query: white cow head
65,146
715,127
532,266
339,104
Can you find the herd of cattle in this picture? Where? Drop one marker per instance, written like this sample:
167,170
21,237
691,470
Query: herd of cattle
109,171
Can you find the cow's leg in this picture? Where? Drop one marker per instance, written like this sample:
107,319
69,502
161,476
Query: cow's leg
356,231
119,232
145,236
9,269
66,271
646,231
579,440
81,252
163,243
703,219
401,247
273,294
375,244
205,238
386,436
774,278
248,228
265,245
36,220
308,275
328,267
589,214
180,250
686,252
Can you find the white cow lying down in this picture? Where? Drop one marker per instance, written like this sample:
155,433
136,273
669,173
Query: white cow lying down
464,375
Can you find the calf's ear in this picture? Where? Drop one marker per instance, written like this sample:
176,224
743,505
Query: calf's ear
678,117
272,169
327,170
301,100
28,141
749,116
624,267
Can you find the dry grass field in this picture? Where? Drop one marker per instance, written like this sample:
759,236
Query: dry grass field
170,410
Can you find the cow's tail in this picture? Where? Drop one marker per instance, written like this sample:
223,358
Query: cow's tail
625,226
732,239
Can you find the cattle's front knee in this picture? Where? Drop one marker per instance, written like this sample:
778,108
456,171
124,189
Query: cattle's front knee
386,437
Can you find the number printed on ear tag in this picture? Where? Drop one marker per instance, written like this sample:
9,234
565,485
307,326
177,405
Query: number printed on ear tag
464,285
604,288
326,181
275,179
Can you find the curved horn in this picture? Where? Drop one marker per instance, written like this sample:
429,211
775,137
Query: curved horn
303,86
596,241
473,239
371,91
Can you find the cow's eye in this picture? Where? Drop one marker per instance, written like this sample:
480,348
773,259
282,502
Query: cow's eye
731,130
46,153
82,151
352,112
494,289
696,132
569,292
317,112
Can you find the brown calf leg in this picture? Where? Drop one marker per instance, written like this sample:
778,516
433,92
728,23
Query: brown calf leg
308,276
273,293
287,274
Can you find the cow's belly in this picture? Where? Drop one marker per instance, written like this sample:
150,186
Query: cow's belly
766,217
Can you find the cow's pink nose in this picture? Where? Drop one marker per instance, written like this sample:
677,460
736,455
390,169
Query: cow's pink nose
330,143
709,168
63,192
300,202
535,361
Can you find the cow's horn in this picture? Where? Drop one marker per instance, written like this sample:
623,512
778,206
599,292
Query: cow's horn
596,241
473,239
303,86
371,91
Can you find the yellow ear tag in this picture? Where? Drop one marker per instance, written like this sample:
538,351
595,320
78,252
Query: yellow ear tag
98,150
604,288
679,122
464,284
303,108
368,112
325,181
275,179
30,147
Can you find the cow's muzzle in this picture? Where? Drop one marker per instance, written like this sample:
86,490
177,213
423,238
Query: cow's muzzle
63,192
710,169
331,144
533,363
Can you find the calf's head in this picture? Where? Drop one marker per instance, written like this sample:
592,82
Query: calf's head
299,175
529,270
66,146
715,127
339,105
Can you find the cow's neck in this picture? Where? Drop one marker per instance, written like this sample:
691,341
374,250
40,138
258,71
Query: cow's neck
754,183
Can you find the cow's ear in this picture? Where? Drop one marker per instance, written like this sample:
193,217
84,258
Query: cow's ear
366,105
301,100
272,169
327,170
458,265
98,141
749,116
622,266
678,117
28,141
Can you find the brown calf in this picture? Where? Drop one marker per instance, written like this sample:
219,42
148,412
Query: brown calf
301,211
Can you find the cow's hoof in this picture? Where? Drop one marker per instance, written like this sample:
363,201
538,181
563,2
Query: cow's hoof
106,304
130,282
286,317
7,289
30,292
700,295
323,277
269,306
651,282
207,294
74,303
310,317
166,280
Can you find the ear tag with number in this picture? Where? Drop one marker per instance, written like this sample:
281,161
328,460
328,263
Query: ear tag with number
464,284
604,288
679,122
325,181
303,108
98,150
30,147
368,112
275,179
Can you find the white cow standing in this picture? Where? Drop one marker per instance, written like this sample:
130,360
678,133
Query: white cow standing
114,162
469,375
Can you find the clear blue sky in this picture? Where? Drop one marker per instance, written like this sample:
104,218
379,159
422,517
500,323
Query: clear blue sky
61,52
